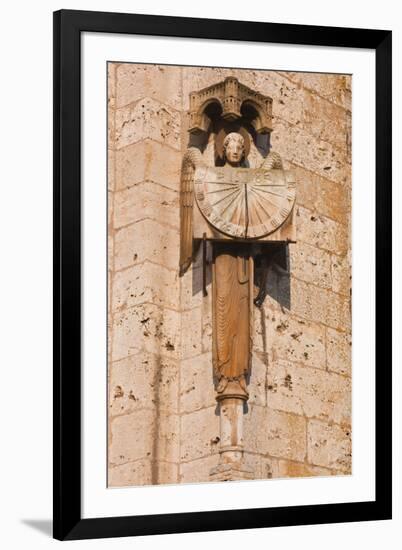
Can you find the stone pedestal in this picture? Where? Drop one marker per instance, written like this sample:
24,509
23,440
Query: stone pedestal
231,397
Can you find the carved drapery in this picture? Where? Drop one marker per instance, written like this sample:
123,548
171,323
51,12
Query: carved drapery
232,299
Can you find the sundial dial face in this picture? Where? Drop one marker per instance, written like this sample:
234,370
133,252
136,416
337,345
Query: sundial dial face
244,203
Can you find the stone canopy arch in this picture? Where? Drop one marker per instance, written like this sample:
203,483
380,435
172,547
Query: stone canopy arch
235,101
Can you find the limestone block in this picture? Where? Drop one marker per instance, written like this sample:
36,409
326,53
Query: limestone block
110,251
196,384
146,240
199,434
321,232
191,333
339,312
296,339
322,196
288,468
258,379
336,88
309,301
309,392
111,127
311,264
132,437
329,446
341,274
339,352
191,289
142,472
198,470
147,118
167,472
111,169
144,434
111,81
263,467
325,120
298,146
143,381
138,472
145,283
148,160
167,442
275,433
159,82
148,328
146,200
320,305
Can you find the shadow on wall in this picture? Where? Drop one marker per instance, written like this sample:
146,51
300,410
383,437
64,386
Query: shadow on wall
272,276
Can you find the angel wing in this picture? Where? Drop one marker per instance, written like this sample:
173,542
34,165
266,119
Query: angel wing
272,160
191,160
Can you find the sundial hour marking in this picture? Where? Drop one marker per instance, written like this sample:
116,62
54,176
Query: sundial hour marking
220,190
235,191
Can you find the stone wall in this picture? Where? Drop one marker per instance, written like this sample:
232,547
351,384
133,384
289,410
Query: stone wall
163,417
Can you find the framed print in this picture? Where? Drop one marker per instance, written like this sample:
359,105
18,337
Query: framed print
222,207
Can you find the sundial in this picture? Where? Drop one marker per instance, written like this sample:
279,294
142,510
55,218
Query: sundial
244,203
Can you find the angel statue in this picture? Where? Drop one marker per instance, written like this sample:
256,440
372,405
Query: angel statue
236,202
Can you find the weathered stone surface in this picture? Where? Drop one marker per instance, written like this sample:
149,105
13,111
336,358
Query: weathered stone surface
296,339
287,468
191,289
298,146
191,330
146,240
146,161
143,472
325,120
196,385
198,470
321,232
311,264
144,434
142,381
143,201
138,472
329,446
279,435
263,467
324,306
309,392
138,81
341,274
146,327
131,437
339,352
322,196
145,283
199,434
147,118
257,387
111,170
335,88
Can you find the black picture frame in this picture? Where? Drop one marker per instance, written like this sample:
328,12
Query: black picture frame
68,26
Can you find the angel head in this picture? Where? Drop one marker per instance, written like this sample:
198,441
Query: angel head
234,148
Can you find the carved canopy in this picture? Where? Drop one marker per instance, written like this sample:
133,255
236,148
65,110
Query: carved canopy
233,98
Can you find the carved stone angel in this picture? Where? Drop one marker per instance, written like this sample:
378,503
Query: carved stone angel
232,291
